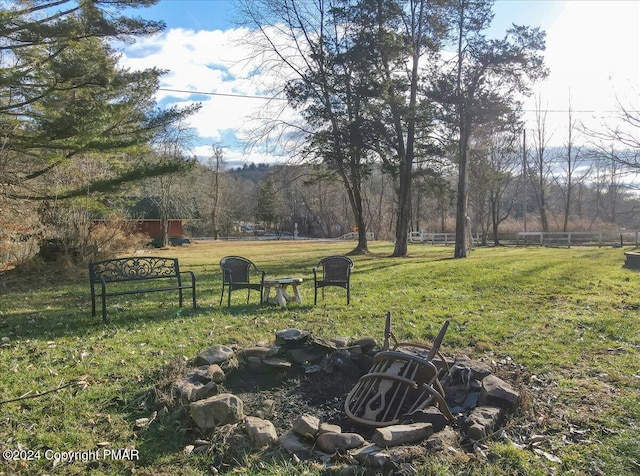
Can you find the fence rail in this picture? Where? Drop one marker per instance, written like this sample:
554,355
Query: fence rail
437,238
353,235
539,238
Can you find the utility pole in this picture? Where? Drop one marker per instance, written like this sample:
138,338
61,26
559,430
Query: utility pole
526,177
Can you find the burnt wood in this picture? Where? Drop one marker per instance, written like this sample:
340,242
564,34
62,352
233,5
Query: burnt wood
138,269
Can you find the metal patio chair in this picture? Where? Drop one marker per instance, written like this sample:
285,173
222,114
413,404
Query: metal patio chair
332,271
240,273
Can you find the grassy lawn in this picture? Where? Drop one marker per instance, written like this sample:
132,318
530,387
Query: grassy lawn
562,323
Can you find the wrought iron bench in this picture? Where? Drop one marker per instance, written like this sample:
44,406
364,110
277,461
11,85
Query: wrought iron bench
137,269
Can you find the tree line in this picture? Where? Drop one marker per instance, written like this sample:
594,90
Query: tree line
504,196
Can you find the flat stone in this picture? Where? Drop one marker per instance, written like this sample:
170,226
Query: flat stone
482,422
214,355
262,433
340,341
205,374
184,390
332,442
327,345
277,363
295,445
366,344
478,370
260,352
306,354
329,428
430,414
217,410
371,456
497,392
306,426
208,390
395,435
291,336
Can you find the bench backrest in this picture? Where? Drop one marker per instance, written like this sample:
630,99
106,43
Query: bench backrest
133,269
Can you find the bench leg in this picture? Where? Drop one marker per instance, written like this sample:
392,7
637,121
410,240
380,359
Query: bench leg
104,308
296,293
281,296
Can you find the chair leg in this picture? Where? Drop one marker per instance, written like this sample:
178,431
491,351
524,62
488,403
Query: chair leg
248,292
315,295
222,295
229,297
348,294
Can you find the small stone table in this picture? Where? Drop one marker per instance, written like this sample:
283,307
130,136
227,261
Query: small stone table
280,285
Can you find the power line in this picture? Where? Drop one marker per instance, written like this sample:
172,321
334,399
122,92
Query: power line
244,96
579,111
250,96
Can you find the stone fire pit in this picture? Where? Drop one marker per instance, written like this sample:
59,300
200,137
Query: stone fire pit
289,396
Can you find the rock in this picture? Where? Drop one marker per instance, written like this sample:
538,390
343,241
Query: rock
294,445
395,435
366,344
216,373
372,456
267,406
205,391
474,369
342,360
329,428
482,422
306,354
325,344
332,442
183,390
430,414
214,355
260,352
261,432
340,341
306,426
441,364
497,392
277,363
291,336
217,410
205,374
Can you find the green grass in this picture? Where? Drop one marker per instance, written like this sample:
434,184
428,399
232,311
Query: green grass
562,323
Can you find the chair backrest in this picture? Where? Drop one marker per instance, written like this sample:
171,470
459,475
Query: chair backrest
236,269
336,268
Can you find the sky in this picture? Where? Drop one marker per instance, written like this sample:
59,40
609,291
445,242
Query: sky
592,52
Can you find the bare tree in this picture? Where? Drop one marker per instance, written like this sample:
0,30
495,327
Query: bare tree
170,145
493,181
311,44
215,163
574,173
540,166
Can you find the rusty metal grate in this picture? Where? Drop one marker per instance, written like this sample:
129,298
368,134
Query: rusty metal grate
401,380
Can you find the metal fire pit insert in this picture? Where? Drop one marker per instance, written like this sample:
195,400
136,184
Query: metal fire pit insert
400,381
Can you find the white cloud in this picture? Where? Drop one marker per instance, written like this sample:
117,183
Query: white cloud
593,53
217,65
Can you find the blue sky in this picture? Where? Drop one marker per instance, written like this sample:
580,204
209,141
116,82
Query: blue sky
593,52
